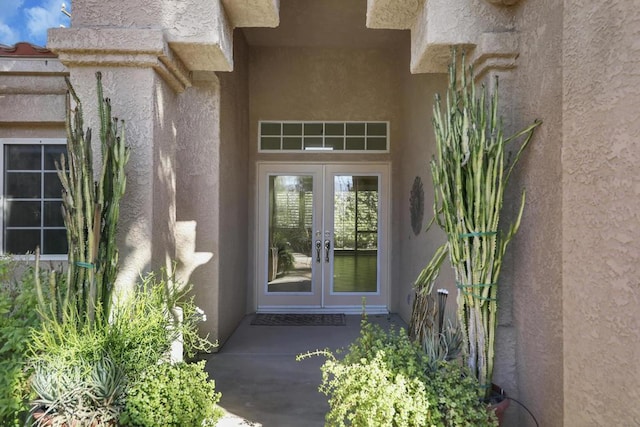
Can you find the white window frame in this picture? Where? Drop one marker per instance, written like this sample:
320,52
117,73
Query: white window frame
323,136
24,141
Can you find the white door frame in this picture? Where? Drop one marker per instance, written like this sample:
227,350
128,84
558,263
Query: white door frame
322,300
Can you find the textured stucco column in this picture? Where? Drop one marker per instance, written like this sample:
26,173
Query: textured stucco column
147,212
601,201
133,78
212,190
198,184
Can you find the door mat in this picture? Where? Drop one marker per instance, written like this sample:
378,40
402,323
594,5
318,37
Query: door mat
299,319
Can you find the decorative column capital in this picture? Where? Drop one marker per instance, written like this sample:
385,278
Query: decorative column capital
495,51
116,47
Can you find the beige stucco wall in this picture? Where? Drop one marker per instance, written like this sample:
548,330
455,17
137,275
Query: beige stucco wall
164,179
600,205
32,98
212,190
197,161
234,190
534,261
418,147
288,83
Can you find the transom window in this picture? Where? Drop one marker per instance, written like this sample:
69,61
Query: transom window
32,197
372,137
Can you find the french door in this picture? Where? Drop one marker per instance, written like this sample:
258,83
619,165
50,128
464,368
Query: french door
322,237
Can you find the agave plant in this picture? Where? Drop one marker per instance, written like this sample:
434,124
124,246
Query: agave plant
469,175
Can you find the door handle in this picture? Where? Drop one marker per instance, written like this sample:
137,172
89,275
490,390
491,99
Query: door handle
327,247
318,247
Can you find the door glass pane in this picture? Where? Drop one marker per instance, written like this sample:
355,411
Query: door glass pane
355,217
290,225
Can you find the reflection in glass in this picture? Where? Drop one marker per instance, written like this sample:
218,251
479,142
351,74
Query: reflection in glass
52,186
53,214
52,155
25,185
355,143
290,233
355,216
22,157
20,241
54,241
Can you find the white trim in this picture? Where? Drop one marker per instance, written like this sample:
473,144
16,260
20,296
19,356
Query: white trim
26,141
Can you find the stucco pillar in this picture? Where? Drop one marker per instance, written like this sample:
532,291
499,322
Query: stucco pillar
198,187
146,102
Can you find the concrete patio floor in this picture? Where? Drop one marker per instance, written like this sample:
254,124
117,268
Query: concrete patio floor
261,382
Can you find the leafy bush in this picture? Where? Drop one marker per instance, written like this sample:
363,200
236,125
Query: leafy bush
17,316
385,379
84,370
172,395
370,393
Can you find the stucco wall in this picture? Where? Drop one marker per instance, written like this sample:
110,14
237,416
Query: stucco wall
417,150
534,261
234,190
32,98
288,83
212,188
601,233
164,182
198,187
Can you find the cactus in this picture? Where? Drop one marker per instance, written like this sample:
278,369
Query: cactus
90,212
469,177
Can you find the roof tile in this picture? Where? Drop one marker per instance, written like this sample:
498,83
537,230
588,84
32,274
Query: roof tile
26,50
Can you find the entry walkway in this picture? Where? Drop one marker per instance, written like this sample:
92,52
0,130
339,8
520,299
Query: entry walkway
261,383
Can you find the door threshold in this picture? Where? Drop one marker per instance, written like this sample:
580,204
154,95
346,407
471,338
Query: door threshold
344,309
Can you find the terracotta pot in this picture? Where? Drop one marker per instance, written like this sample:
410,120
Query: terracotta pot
498,402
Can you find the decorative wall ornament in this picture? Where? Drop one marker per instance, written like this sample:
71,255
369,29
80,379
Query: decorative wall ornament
416,207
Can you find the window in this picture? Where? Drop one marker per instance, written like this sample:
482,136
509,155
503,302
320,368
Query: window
370,137
32,197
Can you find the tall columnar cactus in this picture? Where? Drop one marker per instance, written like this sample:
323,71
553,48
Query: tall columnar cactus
91,208
469,176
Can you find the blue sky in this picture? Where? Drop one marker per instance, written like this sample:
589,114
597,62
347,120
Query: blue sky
28,20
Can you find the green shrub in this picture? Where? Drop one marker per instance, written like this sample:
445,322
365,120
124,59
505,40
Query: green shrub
84,370
385,379
17,316
172,395
369,393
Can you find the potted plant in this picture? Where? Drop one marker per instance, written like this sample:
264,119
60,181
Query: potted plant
470,174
